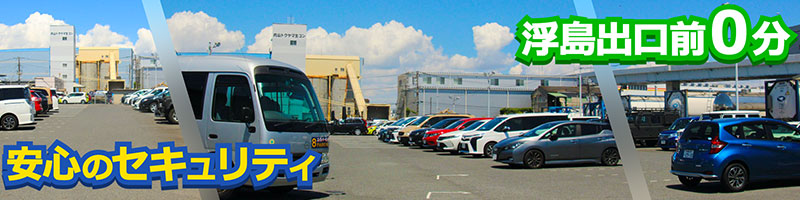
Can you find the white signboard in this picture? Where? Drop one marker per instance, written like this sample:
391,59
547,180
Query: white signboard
783,99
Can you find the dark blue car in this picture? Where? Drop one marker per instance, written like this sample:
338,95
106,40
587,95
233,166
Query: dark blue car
668,138
736,152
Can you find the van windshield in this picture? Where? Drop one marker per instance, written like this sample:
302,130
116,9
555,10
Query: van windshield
287,99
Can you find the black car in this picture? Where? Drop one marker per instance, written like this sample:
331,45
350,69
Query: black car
150,104
416,136
166,110
354,126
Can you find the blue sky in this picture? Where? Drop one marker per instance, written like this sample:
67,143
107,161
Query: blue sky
448,22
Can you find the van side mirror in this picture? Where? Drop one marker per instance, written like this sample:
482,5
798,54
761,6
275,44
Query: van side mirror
248,115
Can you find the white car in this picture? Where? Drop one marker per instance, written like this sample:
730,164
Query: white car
481,142
75,97
392,127
132,96
395,135
449,141
17,107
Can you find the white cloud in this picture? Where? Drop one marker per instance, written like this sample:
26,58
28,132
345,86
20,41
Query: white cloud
145,44
263,42
491,37
191,32
34,33
102,36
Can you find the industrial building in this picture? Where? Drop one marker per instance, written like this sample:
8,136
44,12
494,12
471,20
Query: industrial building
479,94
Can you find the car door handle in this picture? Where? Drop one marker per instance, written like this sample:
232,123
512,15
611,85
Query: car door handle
747,145
781,147
213,136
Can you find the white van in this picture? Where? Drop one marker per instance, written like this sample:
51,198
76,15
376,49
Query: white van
282,108
481,142
16,106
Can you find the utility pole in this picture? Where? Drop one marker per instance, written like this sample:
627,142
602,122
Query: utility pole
19,71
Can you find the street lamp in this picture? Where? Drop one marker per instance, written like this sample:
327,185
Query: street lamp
212,45
489,93
454,99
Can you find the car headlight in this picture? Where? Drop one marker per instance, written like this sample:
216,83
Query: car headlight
514,146
324,158
673,135
445,137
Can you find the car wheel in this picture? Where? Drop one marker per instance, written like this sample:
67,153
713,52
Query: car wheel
734,178
64,102
664,149
171,116
357,132
83,101
688,181
488,149
153,107
610,157
9,122
533,159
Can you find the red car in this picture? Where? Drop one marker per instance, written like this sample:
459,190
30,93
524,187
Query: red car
38,103
433,135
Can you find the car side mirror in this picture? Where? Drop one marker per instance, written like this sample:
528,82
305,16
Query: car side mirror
505,129
553,137
248,115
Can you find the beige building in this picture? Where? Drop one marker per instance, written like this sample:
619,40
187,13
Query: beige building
335,79
97,67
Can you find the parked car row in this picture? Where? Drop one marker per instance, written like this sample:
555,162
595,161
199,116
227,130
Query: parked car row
521,140
19,104
157,101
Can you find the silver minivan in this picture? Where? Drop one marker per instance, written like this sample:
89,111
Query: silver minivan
246,99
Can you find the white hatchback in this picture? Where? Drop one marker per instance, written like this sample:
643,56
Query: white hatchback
16,106
75,97
449,141
481,142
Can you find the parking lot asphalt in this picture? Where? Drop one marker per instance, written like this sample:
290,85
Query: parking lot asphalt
663,185
364,168
89,127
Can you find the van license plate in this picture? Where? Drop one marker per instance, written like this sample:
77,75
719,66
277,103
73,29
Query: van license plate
688,153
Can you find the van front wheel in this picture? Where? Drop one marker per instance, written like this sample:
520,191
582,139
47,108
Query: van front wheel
9,122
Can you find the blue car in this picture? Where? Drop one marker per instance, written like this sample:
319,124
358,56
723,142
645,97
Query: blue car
668,138
736,152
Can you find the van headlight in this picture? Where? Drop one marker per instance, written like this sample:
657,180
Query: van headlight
324,159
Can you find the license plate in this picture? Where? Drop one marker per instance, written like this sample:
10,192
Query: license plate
494,156
688,153
663,141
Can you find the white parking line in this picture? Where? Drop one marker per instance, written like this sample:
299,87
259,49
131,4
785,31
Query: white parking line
445,192
440,175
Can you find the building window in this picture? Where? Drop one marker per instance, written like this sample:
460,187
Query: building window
441,80
64,38
458,81
427,80
293,42
64,64
545,83
520,82
494,81
64,76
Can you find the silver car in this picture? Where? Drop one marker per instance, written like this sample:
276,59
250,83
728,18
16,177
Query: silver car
559,142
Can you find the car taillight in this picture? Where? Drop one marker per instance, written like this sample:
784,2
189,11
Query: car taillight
717,145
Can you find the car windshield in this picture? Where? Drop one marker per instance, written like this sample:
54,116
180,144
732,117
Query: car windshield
540,129
443,123
473,126
454,125
419,121
491,124
679,124
404,122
